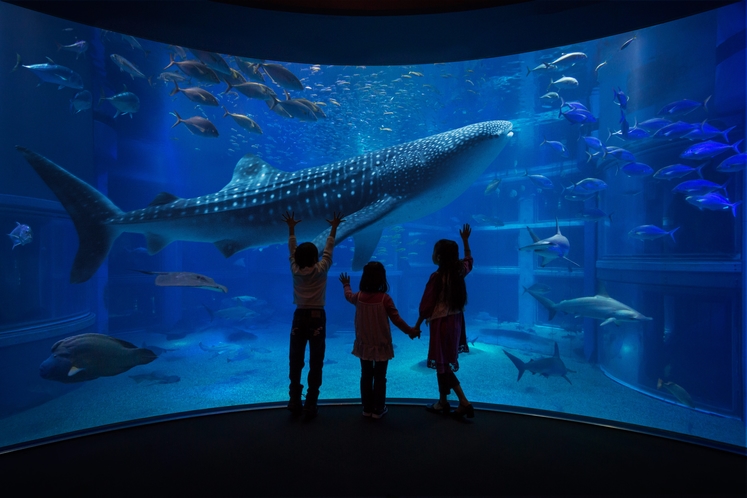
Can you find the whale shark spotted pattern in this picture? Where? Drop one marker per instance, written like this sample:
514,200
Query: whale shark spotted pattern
386,187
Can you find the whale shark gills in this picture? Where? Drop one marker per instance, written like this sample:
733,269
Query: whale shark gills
378,189
551,248
546,367
600,306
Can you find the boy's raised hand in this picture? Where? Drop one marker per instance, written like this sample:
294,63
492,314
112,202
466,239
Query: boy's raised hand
344,278
336,219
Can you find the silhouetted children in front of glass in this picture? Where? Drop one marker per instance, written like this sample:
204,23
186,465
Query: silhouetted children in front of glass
309,319
373,336
442,308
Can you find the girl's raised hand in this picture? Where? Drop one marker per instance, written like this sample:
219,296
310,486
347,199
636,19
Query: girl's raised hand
344,278
289,219
465,232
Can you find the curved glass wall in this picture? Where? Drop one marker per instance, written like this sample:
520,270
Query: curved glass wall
631,144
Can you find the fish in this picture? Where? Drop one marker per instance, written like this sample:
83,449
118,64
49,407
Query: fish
650,232
684,106
732,164
600,307
546,367
196,94
557,146
244,121
86,357
567,60
654,124
540,181
588,186
674,130
255,91
627,43
155,377
293,109
220,348
250,69
637,169
677,171
551,96
157,350
194,69
77,48
197,125
173,76
563,82
282,76
127,66
134,44
212,60
698,187
82,101
53,73
492,186
551,248
706,132
600,66
594,214
124,103
620,98
677,391
21,235
708,149
713,202
542,68
185,279
594,143
411,180
538,288
484,219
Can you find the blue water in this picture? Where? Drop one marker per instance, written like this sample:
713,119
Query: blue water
685,279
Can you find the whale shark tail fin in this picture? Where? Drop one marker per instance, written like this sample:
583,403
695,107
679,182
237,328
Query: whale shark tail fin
518,363
89,210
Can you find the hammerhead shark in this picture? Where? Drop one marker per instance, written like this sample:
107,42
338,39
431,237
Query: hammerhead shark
601,307
546,367
551,248
386,187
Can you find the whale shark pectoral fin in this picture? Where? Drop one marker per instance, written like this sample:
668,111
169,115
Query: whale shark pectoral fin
155,242
74,370
365,244
229,247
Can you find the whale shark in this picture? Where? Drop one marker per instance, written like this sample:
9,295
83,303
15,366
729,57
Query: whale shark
375,190
600,306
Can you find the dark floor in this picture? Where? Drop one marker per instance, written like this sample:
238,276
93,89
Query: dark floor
266,452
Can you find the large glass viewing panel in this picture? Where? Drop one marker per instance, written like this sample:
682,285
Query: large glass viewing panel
603,182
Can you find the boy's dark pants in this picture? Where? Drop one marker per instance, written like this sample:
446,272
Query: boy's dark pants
309,325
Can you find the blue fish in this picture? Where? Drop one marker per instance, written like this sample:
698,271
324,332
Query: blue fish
52,73
557,146
684,106
124,103
541,181
707,132
81,102
676,171
21,235
594,214
578,116
697,187
620,98
708,149
637,169
375,190
654,124
713,202
588,186
650,232
621,154
674,130
594,143
733,164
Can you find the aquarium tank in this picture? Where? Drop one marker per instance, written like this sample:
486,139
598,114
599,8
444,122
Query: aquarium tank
145,267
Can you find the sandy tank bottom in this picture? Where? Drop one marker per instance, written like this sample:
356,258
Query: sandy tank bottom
259,374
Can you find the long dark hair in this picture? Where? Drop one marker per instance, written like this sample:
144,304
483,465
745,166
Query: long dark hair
374,278
452,290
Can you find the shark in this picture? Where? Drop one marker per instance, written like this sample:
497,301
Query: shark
600,306
547,367
375,190
551,248
185,279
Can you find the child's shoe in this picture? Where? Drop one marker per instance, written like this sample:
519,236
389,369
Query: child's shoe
310,410
367,412
380,413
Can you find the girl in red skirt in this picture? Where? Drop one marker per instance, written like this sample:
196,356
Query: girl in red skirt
442,308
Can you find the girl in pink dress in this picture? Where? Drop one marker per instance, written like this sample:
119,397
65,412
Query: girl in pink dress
442,308
373,337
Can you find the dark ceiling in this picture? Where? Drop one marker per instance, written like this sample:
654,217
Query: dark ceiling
372,32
